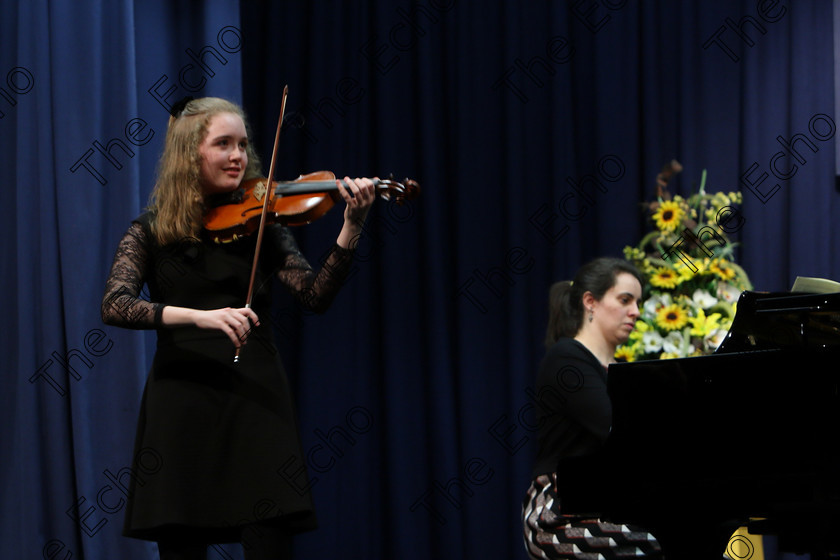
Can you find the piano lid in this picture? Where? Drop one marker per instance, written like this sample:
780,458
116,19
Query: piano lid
782,320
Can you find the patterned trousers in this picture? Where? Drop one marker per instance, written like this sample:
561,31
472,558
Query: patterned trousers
549,535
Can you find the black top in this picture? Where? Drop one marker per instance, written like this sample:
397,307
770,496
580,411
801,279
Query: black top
217,444
573,409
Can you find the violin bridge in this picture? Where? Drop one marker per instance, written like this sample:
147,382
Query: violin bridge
259,190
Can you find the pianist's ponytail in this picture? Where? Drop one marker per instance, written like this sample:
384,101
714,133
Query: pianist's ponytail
565,299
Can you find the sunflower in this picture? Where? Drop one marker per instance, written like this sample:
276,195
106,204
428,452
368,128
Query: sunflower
665,278
722,269
668,216
671,317
625,354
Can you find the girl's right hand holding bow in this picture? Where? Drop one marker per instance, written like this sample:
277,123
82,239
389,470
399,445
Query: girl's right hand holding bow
234,322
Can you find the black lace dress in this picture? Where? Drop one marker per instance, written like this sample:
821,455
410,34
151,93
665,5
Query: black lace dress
217,444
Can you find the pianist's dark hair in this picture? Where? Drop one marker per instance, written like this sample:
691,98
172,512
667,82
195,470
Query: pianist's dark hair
565,299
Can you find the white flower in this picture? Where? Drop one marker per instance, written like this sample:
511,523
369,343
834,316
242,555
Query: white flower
653,303
714,339
728,292
652,342
673,342
703,298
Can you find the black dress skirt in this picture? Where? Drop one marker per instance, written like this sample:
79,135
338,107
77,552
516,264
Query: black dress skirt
217,445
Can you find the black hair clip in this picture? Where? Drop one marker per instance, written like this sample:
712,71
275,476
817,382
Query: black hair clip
179,106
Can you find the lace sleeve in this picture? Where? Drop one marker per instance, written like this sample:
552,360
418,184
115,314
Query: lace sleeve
314,291
121,304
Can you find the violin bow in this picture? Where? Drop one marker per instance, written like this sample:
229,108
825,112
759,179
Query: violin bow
266,203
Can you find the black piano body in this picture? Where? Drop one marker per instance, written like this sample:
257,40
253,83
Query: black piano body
700,446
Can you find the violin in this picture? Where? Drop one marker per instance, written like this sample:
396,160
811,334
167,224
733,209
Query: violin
294,203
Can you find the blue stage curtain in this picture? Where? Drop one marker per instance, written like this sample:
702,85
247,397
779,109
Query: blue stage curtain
535,130
82,134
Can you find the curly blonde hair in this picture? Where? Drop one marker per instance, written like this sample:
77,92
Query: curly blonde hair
177,203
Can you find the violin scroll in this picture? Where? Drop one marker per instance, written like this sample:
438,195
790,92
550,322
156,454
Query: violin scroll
398,192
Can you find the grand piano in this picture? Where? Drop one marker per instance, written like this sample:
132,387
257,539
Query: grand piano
747,436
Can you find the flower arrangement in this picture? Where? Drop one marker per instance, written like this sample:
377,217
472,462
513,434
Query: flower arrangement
693,283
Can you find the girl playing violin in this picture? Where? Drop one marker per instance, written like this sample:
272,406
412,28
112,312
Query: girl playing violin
232,468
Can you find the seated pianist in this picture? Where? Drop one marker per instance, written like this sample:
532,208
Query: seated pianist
690,449
588,318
